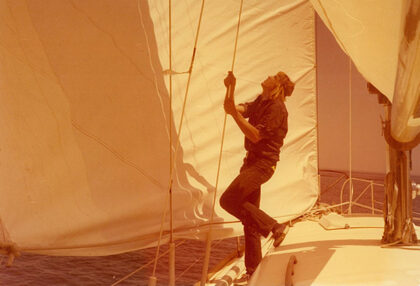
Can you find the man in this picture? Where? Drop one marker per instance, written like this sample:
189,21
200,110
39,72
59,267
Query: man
264,134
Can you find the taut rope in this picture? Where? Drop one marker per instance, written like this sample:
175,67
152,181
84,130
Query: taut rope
208,244
173,159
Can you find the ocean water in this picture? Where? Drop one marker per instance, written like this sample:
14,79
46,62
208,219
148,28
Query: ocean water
30,269
34,270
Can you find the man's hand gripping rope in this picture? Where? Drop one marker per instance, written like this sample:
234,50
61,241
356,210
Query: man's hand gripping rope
229,103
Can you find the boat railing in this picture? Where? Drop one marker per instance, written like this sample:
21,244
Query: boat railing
359,192
370,185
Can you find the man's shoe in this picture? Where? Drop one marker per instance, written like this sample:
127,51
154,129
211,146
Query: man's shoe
279,233
243,280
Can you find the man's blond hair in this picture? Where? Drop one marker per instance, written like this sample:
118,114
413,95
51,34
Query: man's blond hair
284,86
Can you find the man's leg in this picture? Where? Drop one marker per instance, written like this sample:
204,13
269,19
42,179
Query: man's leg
237,193
253,253
254,216
235,199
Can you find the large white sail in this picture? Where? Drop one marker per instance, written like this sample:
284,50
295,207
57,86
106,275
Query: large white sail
280,38
84,118
382,39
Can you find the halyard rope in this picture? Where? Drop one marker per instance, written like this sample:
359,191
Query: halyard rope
166,200
208,245
224,122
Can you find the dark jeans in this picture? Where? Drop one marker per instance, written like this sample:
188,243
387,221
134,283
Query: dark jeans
242,200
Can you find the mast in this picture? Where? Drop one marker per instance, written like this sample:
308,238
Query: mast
398,214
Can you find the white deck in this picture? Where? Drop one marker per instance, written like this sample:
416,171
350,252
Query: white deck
352,256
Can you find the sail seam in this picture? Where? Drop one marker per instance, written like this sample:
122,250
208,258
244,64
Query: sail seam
116,154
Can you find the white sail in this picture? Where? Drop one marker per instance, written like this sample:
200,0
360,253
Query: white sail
282,38
406,110
368,34
84,118
382,39
75,174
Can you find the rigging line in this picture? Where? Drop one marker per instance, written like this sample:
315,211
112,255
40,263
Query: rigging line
315,25
237,36
170,120
151,63
169,134
178,138
170,95
208,244
351,190
195,261
183,109
171,217
160,235
188,82
224,123
299,214
142,267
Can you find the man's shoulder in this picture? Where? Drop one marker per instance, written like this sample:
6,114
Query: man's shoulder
279,105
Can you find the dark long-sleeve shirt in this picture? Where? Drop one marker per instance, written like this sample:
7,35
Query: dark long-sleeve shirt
269,116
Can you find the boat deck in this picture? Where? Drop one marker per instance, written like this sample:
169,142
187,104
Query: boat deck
345,251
